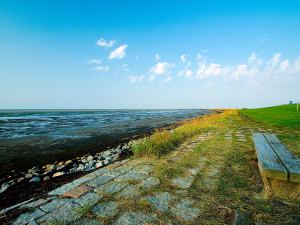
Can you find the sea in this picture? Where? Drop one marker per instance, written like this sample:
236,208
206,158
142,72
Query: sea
37,137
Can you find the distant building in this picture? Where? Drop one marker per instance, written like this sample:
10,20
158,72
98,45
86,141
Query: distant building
290,102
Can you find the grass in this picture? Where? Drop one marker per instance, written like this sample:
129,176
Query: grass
163,141
279,116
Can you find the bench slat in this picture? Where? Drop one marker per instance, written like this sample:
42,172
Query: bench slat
269,163
291,162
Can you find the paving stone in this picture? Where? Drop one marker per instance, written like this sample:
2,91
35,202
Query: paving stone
36,203
120,170
104,210
185,210
28,217
69,186
98,181
150,182
160,201
136,218
65,214
54,204
77,191
144,169
241,218
132,176
129,191
111,188
87,221
99,172
183,182
88,199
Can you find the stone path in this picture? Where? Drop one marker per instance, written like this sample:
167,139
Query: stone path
132,192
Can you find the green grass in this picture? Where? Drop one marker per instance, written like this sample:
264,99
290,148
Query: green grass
280,116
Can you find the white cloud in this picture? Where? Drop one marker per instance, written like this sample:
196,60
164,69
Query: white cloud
94,61
207,70
101,68
157,57
284,66
103,43
168,79
134,79
119,52
186,73
161,68
183,58
254,60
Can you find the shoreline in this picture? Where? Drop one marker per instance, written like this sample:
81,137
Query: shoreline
24,189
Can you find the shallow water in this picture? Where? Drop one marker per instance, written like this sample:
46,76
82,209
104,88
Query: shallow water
30,137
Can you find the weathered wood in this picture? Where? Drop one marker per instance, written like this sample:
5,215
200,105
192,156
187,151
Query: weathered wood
290,161
269,163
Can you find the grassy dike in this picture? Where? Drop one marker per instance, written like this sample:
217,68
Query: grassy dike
227,180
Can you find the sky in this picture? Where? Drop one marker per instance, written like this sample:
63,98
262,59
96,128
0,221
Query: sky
71,54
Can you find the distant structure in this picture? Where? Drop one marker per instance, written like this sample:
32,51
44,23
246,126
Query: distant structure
290,102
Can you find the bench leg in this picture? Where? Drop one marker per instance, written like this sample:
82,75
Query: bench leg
267,187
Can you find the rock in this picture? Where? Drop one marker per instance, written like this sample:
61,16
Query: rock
60,163
68,162
33,169
73,170
84,161
4,187
107,161
35,179
58,174
89,158
20,179
28,175
101,157
99,164
61,167
75,165
77,191
46,178
80,167
51,167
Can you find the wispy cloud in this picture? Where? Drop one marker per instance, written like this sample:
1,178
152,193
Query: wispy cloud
103,43
118,53
183,58
157,57
94,61
134,79
101,68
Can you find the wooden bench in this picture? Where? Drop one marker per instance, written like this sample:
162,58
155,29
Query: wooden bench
279,168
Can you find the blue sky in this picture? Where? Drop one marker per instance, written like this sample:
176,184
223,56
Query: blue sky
148,54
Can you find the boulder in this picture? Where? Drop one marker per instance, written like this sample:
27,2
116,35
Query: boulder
58,174
99,164
90,158
51,167
46,178
35,180
4,187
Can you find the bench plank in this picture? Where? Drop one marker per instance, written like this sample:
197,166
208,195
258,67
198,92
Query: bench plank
269,163
290,161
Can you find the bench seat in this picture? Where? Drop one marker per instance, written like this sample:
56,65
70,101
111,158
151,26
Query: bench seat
279,167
